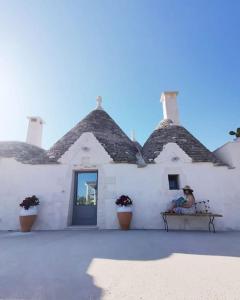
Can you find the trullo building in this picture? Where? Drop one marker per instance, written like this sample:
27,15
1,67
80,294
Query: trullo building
78,179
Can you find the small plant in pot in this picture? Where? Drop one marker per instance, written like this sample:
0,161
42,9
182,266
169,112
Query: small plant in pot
124,211
236,133
28,213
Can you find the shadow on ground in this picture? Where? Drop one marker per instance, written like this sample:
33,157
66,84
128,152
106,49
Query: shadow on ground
54,265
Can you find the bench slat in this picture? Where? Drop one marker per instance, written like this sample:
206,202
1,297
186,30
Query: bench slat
192,215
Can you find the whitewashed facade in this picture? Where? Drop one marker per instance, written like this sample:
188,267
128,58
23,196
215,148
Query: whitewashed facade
52,180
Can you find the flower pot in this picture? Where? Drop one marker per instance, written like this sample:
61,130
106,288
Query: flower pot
124,214
27,218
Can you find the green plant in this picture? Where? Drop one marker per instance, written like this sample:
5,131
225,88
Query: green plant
237,133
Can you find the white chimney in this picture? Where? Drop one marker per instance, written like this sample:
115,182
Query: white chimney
170,108
34,133
99,103
133,136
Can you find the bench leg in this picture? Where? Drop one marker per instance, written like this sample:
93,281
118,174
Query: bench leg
211,224
165,222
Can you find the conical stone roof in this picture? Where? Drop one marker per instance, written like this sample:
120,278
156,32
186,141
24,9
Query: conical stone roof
24,153
169,133
116,143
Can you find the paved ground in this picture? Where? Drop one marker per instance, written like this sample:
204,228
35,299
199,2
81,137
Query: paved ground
147,265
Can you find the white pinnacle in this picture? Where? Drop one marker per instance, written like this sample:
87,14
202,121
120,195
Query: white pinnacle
99,102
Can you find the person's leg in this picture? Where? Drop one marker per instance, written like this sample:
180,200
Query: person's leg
178,210
173,205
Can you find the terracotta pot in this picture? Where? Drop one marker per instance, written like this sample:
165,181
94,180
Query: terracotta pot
26,222
124,218
27,218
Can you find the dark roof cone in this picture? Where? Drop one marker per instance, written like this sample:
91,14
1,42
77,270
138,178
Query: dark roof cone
117,144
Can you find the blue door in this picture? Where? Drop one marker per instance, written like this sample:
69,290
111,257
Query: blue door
85,198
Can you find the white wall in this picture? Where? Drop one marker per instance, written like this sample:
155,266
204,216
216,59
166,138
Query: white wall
148,187
18,181
229,153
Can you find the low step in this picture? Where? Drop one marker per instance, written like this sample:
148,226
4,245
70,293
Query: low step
82,227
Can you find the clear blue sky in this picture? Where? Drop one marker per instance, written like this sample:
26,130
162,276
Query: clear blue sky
57,56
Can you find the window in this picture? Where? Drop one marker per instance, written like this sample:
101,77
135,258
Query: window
86,189
173,182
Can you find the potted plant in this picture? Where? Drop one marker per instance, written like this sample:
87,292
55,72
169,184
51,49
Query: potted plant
124,211
28,213
236,133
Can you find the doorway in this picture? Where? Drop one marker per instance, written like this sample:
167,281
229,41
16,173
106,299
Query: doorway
85,198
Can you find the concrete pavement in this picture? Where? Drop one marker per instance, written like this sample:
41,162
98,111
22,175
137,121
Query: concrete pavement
114,265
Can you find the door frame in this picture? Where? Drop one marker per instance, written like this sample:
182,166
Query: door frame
75,173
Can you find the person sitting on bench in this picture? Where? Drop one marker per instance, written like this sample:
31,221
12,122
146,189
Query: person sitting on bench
184,205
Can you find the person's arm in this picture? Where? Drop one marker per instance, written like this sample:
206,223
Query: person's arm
190,202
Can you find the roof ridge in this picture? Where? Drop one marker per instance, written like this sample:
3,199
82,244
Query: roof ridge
23,143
